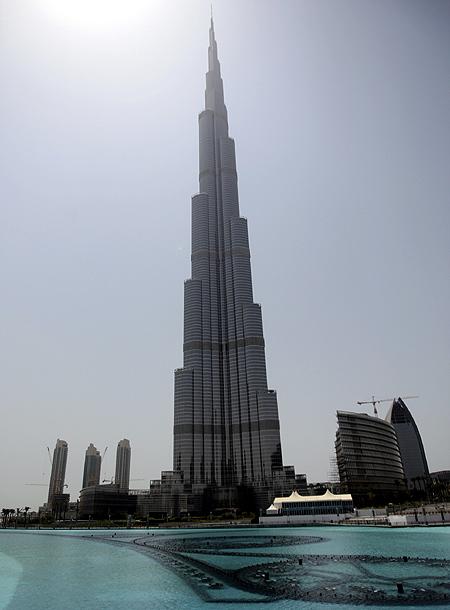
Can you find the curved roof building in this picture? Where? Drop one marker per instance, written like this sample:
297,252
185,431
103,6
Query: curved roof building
368,458
296,504
410,443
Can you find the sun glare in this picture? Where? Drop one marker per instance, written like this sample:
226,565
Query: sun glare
98,14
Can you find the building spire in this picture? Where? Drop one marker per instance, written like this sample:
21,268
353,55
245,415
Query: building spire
213,62
214,99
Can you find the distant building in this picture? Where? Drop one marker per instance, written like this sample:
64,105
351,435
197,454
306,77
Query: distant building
60,506
167,497
58,474
106,502
297,508
440,485
410,444
92,467
368,458
301,483
123,462
320,487
441,475
152,503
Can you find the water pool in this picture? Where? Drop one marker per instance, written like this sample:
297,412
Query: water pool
319,567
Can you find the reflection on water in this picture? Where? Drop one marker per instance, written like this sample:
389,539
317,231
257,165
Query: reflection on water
340,567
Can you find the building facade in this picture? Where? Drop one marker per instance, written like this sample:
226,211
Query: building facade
226,427
58,474
106,502
368,459
123,463
92,467
412,452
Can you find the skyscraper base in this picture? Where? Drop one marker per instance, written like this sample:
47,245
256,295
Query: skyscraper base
174,498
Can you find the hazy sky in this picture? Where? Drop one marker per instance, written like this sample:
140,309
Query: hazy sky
341,116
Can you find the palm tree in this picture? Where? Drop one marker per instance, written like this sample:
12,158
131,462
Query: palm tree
18,511
25,510
5,513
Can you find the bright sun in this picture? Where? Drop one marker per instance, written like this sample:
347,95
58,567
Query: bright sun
98,14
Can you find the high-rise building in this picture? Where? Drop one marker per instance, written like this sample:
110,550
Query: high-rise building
58,474
92,467
368,458
226,425
123,461
414,461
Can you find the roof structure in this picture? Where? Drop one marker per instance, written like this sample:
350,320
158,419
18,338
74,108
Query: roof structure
296,497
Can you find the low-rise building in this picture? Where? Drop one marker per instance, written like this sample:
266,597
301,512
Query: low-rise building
328,507
106,502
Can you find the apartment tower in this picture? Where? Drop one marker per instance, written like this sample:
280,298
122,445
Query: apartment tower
92,467
58,474
123,462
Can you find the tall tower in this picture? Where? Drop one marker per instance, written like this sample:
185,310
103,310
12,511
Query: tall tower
410,443
226,426
92,467
123,461
58,475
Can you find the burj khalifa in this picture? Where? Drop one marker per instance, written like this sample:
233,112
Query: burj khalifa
226,424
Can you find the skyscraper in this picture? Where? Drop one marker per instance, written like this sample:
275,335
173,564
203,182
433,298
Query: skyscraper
368,458
92,467
410,443
226,426
123,461
58,474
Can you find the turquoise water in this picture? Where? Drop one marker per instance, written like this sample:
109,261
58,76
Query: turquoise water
105,569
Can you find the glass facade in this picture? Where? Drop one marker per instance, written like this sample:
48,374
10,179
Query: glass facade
410,444
368,458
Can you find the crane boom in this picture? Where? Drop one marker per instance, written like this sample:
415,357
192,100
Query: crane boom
376,402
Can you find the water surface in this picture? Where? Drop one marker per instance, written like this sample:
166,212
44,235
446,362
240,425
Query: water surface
106,569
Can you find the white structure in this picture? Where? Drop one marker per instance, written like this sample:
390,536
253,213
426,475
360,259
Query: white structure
296,508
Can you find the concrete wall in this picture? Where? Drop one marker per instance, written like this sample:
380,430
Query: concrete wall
301,519
410,519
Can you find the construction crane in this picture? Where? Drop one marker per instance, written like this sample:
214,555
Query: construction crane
43,484
104,452
112,478
376,402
